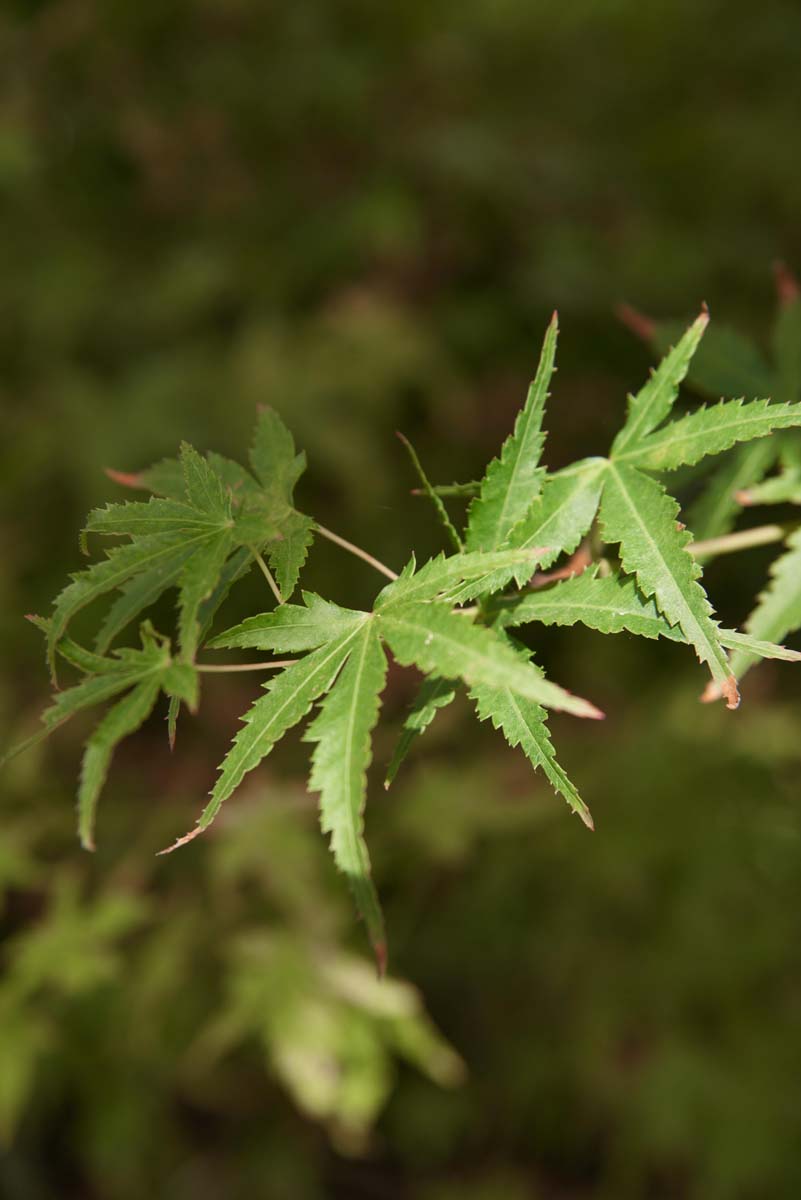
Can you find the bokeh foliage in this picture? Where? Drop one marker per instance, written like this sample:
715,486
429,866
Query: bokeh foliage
363,215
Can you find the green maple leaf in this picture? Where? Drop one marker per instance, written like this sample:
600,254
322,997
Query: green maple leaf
142,674
345,668
200,533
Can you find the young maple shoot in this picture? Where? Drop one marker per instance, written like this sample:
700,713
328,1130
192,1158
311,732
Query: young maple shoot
628,564
765,471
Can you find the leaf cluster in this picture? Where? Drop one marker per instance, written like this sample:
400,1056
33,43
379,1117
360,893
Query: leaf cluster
624,562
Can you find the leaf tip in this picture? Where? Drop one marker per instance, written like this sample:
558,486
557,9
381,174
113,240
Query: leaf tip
731,692
125,478
88,842
787,287
381,958
727,691
181,841
640,325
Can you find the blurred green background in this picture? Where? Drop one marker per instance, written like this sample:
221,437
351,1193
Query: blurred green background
363,215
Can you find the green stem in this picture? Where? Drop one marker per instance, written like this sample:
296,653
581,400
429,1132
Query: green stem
743,539
254,666
432,495
357,550
268,575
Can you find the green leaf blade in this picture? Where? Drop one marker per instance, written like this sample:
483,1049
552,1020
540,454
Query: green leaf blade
291,627
340,760
523,724
654,401
461,575
446,644
434,693
513,480
778,609
710,430
288,698
119,722
638,514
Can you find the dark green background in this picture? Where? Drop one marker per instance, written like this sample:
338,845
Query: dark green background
363,215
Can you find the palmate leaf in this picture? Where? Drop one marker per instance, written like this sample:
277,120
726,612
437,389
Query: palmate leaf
211,515
638,514
513,481
340,760
709,430
652,404
446,644
434,693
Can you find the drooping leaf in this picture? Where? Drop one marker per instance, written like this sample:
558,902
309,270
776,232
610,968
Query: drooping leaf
127,715
434,693
289,696
109,677
638,514
444,643
709,430
513,480
523,723
291,627
340,760
120,565
649,407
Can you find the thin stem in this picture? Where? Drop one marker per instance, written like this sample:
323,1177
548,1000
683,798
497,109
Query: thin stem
255,666
432,495
743,539
268,575
450,489
357,550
